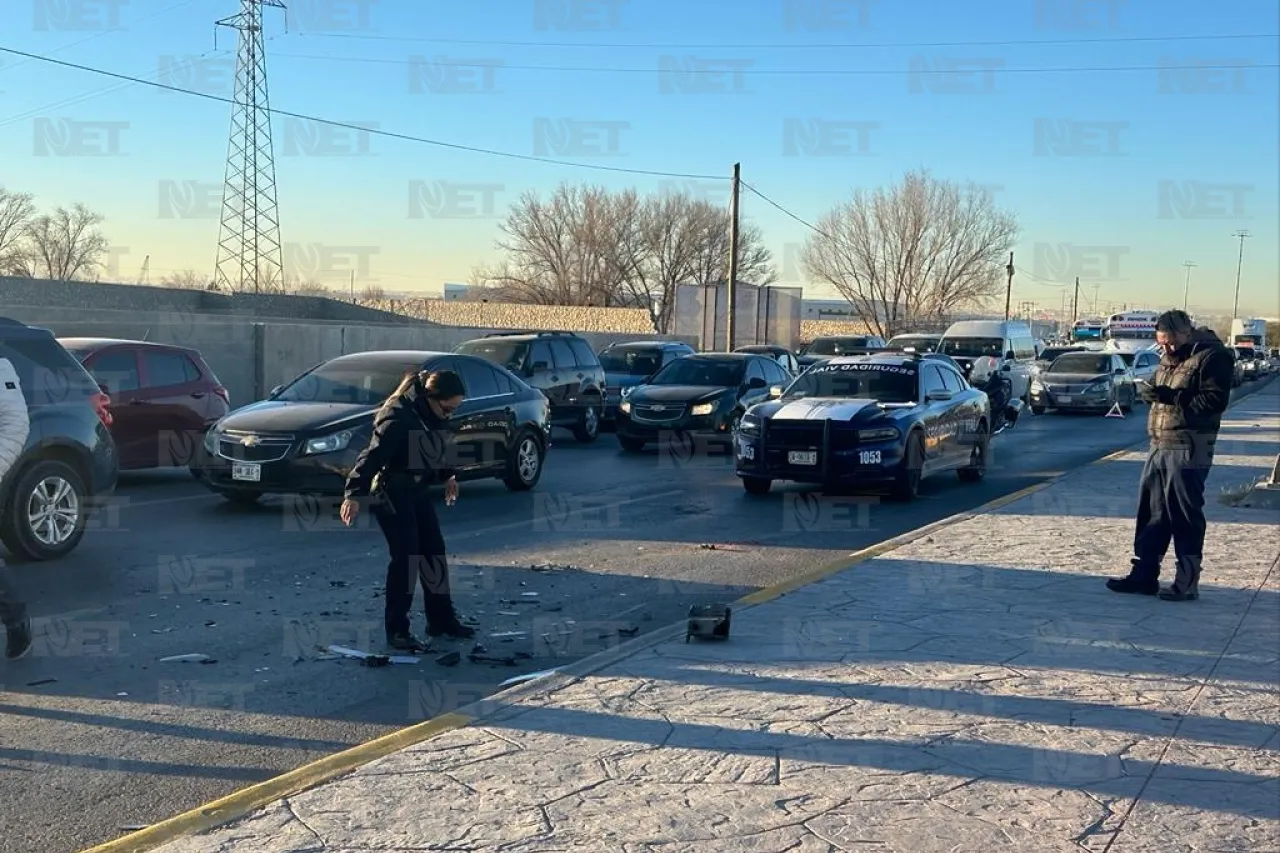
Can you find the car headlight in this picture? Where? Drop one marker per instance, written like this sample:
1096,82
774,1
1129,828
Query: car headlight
749,425
329,443
624,406
211,441
878,434
626,392
702,409
1037,387
1097,388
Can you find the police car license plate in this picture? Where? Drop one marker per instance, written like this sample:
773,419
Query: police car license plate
803,457
1065,398
246,471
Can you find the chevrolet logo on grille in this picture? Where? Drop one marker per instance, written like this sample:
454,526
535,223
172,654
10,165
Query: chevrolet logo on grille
249,440
658,408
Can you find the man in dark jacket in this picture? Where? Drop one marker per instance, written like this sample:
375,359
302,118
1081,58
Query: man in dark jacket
1189,393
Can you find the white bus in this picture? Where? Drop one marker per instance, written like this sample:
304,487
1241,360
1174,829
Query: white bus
1130,331
1087,331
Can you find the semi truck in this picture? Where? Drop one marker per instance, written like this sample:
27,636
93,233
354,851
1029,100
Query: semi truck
1249,332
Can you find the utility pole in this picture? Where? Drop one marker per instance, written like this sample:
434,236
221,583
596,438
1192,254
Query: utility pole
1075,302
1008,289
1095,298
353,286
731,295
1186,287
1241,236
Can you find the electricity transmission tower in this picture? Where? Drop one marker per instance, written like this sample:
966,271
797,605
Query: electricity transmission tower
249,255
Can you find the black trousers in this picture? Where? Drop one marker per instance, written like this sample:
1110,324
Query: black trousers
12,610
417,557
1171,509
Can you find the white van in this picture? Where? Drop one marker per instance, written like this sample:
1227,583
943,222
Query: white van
1010,343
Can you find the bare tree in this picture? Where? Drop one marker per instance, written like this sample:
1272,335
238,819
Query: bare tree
373,293
63,245
560,251
913,252
16,211
187,280
296,285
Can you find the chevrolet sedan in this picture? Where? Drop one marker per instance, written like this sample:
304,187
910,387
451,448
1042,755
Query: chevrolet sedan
1084,381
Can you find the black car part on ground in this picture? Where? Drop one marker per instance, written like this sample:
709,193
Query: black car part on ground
69,463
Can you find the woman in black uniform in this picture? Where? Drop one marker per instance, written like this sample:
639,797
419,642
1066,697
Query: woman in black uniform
405,457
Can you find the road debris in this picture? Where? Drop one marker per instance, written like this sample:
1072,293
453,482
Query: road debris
528,676
629,631
378,660
449,659
41,682
192,658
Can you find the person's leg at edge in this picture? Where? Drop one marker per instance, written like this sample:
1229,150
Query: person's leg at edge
396,519
1152,532
13,615
1186,516
433,572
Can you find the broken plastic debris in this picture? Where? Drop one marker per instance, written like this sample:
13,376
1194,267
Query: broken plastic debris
186,659
529,676
134,827
508,613
529,594
502,634
450,659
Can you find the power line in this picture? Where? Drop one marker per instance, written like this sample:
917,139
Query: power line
802,221
785,46
756,72
455,146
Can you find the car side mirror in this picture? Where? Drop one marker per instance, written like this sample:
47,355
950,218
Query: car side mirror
755,382
1120,371
275,392
104,389
1006,367
1009,356
538,365
939,396
775,392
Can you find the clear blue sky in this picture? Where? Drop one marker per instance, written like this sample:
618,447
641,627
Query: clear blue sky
1116,176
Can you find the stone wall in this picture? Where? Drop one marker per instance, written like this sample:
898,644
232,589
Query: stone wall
499,315
810,329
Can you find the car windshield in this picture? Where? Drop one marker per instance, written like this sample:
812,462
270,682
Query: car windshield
885,383
1245,353
1051,354
1081,362
1128,357
356,383
835,346
972,347
632,362
508,354
701,371
918,344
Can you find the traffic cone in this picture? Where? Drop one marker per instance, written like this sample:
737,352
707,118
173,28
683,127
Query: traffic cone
1115,412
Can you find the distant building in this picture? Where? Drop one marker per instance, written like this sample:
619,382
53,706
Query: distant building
454,290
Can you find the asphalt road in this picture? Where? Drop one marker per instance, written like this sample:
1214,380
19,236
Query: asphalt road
100,735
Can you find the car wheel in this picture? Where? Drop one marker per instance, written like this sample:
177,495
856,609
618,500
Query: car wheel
907,484
1127,406
524,465
588,428
240,497
631,445
756,485
47,514
977,468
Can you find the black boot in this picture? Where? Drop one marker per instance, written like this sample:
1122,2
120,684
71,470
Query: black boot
1186,583
451,628
18,637
406,642
1143,579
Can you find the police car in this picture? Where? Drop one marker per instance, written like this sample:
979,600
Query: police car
880,420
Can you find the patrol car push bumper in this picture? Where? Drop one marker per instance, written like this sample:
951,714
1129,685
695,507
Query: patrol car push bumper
829,454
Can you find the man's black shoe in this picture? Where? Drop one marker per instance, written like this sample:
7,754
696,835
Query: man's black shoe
1172,594
18,638
1133,587
453,630
406,643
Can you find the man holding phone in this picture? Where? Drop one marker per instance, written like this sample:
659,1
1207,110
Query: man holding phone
1189,393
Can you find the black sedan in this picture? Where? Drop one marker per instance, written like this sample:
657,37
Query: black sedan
1090,381
885,420
305,437
828,347
700,395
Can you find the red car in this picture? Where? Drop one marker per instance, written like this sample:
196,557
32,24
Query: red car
163,398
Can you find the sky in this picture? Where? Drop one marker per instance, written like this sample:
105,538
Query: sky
1128,136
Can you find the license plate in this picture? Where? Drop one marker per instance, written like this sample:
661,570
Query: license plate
803,457
249,471
1065,398
746,451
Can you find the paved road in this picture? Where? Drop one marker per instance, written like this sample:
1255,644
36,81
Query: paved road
97,727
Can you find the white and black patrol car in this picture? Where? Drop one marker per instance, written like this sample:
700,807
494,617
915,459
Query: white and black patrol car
880,420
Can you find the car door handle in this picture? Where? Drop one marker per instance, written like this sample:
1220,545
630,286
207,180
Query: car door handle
581,375
199,395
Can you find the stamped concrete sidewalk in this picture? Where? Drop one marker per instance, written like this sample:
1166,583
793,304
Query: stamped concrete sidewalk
978,690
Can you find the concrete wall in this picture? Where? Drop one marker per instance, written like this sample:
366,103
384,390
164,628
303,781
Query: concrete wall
498,315
763,315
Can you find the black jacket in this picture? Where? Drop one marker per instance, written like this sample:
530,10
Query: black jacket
1190,391
409,444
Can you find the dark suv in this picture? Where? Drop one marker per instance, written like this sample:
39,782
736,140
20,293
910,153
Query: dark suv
69,462
627,365
559,364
